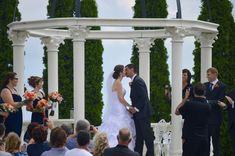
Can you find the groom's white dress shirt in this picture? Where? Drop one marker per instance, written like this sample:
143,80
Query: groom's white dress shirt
133,77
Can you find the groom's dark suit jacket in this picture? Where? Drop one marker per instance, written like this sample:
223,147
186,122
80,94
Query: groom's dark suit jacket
139,98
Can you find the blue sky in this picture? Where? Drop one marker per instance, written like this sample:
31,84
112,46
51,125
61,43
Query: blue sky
115,51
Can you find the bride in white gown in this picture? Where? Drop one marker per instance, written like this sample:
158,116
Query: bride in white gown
115,114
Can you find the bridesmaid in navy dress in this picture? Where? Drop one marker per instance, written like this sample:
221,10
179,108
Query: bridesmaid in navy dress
13,121
37,83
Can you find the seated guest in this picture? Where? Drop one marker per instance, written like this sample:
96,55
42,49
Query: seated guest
39,135
2,143
80,126
83,139
101,143
57,141
124,138
13,145
196,113
68,129
2,149
28,133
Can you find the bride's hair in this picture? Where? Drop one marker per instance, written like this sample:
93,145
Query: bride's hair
117,70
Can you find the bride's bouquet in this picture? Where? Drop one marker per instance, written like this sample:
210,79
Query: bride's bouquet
7,107
29,96
54,98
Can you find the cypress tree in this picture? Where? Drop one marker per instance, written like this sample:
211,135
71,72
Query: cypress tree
93,64
93,68
7,9
65,59
223,57
159,74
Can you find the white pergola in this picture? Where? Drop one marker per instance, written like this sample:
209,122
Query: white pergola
77,29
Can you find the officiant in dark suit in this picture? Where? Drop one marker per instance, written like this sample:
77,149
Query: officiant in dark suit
215,91
140,100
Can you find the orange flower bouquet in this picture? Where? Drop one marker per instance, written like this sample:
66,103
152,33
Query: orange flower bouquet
41,106
29,97
7,107
54,97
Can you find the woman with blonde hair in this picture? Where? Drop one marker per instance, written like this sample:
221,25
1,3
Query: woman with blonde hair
101,143
13,145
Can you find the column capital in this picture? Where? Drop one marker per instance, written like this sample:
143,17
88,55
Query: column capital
17,37
79,33
52,43
144,44
177,33
206,39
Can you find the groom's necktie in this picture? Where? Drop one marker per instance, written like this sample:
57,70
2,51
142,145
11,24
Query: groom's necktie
210,86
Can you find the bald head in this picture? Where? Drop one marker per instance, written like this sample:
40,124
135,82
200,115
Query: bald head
124,135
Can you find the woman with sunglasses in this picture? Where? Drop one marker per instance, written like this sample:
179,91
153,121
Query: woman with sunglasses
8,94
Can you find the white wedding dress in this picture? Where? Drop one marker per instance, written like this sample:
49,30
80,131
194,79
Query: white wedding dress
115,116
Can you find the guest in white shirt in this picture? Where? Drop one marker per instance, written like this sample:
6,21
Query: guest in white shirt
57,139
83,139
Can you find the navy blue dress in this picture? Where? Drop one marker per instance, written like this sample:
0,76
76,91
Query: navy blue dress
14,121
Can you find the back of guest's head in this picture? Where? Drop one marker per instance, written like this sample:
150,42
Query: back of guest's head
213,70
82,125
67,128
39,134
34,80
2,130
124,135
117,70
58,137
132,66
12,142
7,78
101,143
83,138
188,74
199,89
28,134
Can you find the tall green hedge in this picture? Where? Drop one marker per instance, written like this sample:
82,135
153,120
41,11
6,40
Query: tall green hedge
223,54
93,64
6,52
65,59
159,74
93,68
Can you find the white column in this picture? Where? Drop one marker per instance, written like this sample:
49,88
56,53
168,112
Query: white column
52,44
18,39
206,40
79,34
144,45
177,51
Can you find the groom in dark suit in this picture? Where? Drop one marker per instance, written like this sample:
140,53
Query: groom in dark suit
143,113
